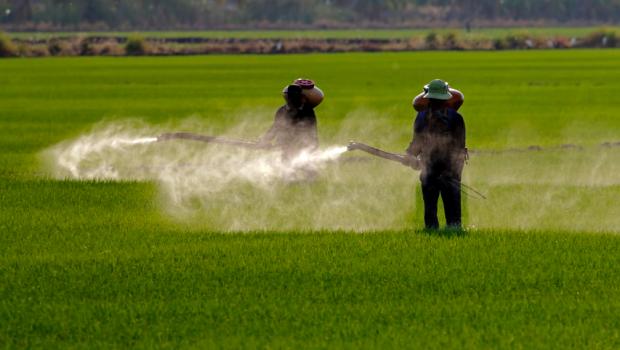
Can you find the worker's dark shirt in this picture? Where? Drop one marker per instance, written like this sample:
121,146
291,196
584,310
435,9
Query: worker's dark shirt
439,141
293,130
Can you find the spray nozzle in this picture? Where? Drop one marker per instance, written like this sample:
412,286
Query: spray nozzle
352,146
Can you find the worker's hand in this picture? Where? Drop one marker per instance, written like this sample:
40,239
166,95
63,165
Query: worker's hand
412,161
264,144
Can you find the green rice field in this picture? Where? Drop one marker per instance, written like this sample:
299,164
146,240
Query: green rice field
128,258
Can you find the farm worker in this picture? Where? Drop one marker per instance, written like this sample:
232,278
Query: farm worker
439,145
295,128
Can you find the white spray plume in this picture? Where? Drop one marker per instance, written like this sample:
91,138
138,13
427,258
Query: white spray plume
228,188
192,175
110,153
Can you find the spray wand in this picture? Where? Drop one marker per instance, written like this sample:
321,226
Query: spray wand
400,158
412,162
211,139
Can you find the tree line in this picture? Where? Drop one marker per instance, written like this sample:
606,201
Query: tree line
205,14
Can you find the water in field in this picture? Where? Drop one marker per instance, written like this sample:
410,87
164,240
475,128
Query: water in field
230,188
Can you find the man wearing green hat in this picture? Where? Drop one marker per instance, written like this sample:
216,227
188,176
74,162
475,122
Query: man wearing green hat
439,145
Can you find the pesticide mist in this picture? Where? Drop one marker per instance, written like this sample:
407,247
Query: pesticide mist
228,188
220,186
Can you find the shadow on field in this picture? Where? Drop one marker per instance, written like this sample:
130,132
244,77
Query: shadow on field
444,232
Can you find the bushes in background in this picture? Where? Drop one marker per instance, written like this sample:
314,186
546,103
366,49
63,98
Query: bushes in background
447,40
7,47
600,38
136,46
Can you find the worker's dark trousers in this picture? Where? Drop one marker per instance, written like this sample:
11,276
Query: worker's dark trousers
450,190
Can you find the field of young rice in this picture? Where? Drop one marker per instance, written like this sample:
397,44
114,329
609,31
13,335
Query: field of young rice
108,240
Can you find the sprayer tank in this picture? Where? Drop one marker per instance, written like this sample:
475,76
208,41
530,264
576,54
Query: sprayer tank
313,95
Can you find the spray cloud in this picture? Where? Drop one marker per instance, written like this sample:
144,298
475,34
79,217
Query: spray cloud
229,188
196,179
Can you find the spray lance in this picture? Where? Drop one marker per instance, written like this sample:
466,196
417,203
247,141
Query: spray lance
410,161
211,139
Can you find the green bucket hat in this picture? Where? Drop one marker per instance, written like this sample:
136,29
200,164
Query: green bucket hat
437,89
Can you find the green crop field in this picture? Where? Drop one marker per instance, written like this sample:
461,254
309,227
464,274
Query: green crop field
333,34
154,245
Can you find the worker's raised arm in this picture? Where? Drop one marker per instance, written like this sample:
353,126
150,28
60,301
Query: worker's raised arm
459,131
417,141
313,131
278,124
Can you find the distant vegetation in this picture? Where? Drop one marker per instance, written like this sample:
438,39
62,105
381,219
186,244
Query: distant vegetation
272,42
7,48
200,14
